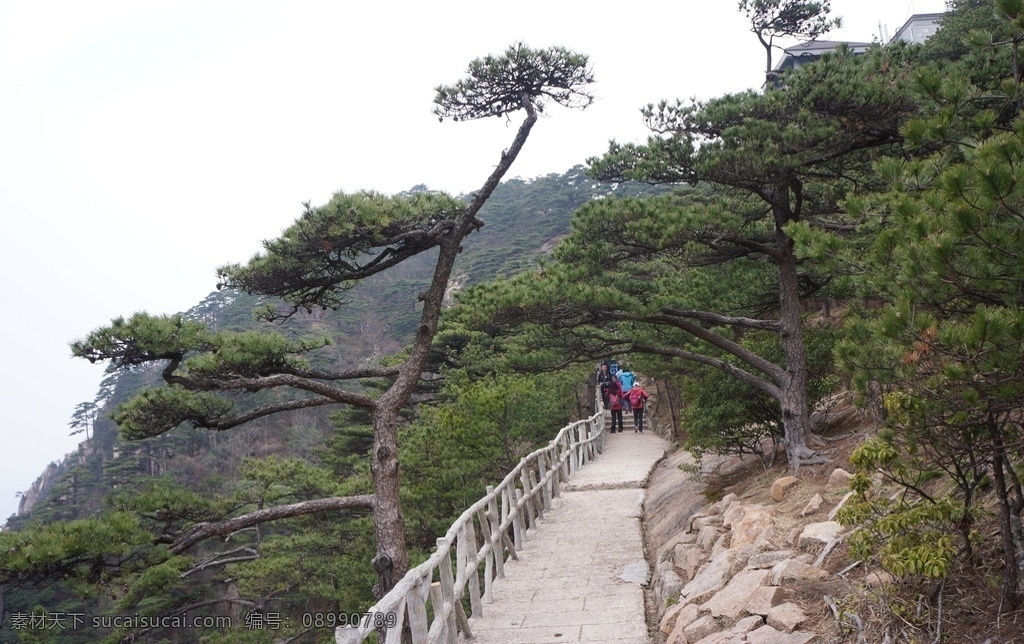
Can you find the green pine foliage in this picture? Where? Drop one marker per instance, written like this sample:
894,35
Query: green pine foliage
947,344
486,425
936,344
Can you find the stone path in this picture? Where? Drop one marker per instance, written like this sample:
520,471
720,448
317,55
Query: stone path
579,576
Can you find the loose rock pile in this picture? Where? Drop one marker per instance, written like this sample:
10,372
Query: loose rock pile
728,576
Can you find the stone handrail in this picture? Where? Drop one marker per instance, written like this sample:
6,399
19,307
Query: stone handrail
479,536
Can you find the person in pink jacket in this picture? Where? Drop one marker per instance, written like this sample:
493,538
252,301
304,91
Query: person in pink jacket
615,404
637,400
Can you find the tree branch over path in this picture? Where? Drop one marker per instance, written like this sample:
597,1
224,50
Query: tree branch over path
727,367
770,369
750,169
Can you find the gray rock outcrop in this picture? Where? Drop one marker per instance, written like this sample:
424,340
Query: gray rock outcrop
730,572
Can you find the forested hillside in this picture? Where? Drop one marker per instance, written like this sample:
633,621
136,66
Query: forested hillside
852,234
189,474
525,219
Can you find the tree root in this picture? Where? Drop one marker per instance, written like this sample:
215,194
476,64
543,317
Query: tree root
801,455
813,459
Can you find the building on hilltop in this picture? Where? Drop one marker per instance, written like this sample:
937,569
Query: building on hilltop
917,29
799,55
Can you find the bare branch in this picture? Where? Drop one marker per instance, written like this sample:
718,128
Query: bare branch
222,559
714,318
208,529
261,383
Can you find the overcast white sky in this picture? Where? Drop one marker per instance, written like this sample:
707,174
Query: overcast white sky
144,144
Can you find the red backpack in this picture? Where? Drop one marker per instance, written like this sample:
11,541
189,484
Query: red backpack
614,401
637,396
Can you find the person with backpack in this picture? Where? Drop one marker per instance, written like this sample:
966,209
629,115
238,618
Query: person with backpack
626,379
637,399
615,404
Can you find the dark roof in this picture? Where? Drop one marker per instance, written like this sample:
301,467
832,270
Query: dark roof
822,46
812,50
805,52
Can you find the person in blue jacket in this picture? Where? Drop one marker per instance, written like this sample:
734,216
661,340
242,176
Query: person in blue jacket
626,380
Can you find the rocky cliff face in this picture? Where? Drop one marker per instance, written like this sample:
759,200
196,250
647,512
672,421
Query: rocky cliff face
48,485
39,487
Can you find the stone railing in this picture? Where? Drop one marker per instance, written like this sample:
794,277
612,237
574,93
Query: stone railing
429,600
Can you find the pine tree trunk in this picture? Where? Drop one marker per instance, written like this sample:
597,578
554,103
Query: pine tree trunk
392,560
1007,488
793,401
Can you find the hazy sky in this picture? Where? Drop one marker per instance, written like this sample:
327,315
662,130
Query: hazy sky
144,144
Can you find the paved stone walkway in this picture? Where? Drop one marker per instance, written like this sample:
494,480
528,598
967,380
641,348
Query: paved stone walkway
579,575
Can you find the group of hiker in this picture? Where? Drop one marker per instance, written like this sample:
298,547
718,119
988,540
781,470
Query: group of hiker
621,392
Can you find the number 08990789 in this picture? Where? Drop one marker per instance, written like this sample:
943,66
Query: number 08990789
322,620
